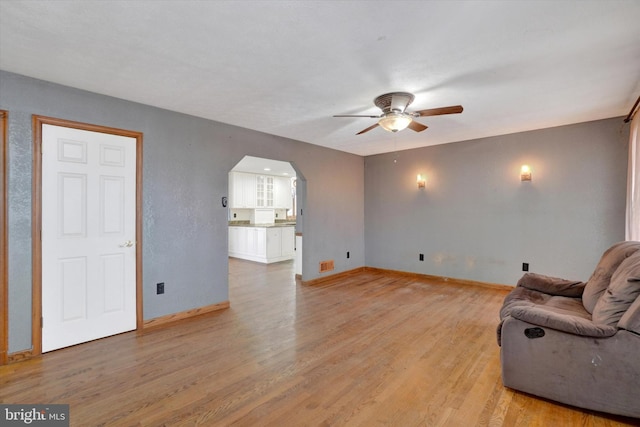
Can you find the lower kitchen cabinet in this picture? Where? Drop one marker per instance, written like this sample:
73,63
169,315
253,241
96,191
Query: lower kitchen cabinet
262,244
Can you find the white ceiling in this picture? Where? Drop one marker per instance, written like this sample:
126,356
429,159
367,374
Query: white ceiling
286,67
259,165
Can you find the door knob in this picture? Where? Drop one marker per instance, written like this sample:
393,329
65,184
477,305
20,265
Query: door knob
127,244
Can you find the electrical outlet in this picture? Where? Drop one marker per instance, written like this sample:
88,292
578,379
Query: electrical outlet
234,214
525,266
421,257
160,288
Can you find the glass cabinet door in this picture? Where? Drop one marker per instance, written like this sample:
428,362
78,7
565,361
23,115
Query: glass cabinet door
260,191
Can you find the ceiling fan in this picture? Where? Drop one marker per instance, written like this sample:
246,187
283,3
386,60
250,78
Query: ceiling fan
394,116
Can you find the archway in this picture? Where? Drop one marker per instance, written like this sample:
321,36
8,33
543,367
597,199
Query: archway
265,207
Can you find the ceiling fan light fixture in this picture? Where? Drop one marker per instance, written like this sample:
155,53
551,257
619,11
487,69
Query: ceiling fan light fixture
395,116
394,122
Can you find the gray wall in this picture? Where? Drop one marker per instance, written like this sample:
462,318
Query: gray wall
476,220
186,161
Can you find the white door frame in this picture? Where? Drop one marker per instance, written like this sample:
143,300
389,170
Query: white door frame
4,257
38,121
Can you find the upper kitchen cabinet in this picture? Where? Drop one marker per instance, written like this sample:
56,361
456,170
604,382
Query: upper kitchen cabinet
242,190
251,191
264,191
283,197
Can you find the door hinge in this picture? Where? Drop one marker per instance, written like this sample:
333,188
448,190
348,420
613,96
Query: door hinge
41,322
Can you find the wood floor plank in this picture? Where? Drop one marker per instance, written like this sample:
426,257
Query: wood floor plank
371,348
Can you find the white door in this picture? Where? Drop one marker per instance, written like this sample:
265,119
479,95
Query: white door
88,235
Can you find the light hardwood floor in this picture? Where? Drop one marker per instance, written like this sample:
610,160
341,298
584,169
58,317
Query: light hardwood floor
366,350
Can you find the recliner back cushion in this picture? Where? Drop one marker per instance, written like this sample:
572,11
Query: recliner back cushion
601,277
621,293
631,318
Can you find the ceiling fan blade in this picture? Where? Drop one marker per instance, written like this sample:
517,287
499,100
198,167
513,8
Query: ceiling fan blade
415,126
356,115
454,109
367,129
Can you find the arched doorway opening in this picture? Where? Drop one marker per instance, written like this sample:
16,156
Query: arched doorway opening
266,200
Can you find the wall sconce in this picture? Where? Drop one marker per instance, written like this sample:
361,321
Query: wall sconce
422,181
525,173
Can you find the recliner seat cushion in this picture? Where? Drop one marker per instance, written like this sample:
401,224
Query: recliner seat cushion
621,293
601,277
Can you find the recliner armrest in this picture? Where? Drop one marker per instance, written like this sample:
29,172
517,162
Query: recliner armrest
562,322
552,285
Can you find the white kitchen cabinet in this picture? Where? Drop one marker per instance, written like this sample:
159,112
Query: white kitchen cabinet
274,242
264,191
282,193
233,239
238,240
288,242
262,244
250,191
242,190
256,240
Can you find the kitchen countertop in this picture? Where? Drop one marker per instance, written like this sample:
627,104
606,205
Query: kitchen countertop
246,224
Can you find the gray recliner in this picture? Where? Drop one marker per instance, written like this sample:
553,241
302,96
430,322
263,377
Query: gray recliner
577,343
